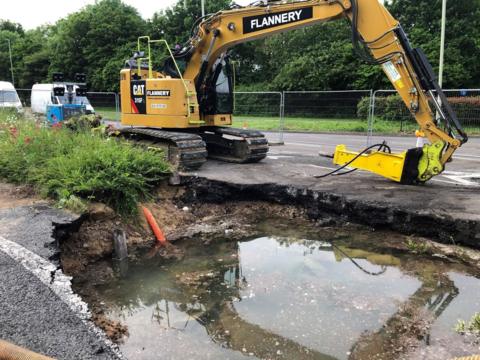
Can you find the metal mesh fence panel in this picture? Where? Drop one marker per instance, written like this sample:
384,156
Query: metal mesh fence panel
390,115
327,110
105,104
466,104
259,110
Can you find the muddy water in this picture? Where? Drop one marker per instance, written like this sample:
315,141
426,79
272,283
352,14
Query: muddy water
312,296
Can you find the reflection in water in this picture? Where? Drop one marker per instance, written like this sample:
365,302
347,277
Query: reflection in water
280,298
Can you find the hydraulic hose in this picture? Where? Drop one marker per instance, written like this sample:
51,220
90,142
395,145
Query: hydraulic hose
334,172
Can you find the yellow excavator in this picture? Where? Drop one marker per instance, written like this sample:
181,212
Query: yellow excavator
186,105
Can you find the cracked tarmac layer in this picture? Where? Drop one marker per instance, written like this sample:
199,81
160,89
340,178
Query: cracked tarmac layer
448,214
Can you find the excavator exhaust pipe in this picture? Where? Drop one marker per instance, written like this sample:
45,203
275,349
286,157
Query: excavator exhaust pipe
13,352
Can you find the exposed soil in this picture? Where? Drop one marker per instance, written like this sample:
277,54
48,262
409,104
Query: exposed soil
204,222
17,195
114,330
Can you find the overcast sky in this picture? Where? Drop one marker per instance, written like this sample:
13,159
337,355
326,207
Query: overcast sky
31,13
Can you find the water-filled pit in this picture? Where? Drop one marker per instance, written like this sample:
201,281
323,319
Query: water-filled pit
294,293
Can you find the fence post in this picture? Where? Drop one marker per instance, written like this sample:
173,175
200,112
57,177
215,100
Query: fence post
117,107
370,115
281,129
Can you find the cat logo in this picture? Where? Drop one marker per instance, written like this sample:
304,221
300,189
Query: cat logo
138,90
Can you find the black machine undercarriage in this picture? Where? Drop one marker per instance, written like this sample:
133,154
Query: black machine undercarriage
188,150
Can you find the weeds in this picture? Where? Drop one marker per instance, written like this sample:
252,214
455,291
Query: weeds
67,165
473,326
417,247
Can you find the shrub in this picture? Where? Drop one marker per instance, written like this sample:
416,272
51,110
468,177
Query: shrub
392,107
467,109
363,108
62,164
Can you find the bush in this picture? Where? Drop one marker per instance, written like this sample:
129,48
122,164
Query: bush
363,108
467,109
392,107
62,164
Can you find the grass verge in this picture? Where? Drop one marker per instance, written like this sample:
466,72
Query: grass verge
330,125
107,113
66,165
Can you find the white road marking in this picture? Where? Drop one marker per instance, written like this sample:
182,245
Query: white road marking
321,167
47,273
462,178
304,144
444,181
466,157
276,157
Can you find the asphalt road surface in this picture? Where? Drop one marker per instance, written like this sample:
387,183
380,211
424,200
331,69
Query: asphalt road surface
39,311
463,170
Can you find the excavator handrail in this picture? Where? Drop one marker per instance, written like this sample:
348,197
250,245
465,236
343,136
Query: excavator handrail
150,71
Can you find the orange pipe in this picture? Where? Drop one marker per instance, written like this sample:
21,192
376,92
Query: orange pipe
12,352
154,226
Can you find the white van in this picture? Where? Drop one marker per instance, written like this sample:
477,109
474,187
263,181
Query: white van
42,95
9,97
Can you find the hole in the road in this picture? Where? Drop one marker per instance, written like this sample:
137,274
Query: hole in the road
290,292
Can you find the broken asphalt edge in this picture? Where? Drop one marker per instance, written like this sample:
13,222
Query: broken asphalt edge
317,203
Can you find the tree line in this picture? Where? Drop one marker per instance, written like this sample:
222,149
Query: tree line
99,38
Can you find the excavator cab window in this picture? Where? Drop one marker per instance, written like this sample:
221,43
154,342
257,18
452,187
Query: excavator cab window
219,99
224,88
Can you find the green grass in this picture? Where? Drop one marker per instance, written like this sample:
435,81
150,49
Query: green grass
329,125
473,326
64,164
107,113
318,125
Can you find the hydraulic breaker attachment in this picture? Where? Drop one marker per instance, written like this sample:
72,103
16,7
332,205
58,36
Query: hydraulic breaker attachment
416,165
381,163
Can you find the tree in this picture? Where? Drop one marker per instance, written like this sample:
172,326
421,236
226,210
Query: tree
99,38
321,57
175,24
89,40
421,20
12,32
35,56
11,26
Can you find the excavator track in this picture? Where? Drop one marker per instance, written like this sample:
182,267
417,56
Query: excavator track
235,145
185,151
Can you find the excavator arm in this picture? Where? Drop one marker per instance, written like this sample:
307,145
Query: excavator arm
378,38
